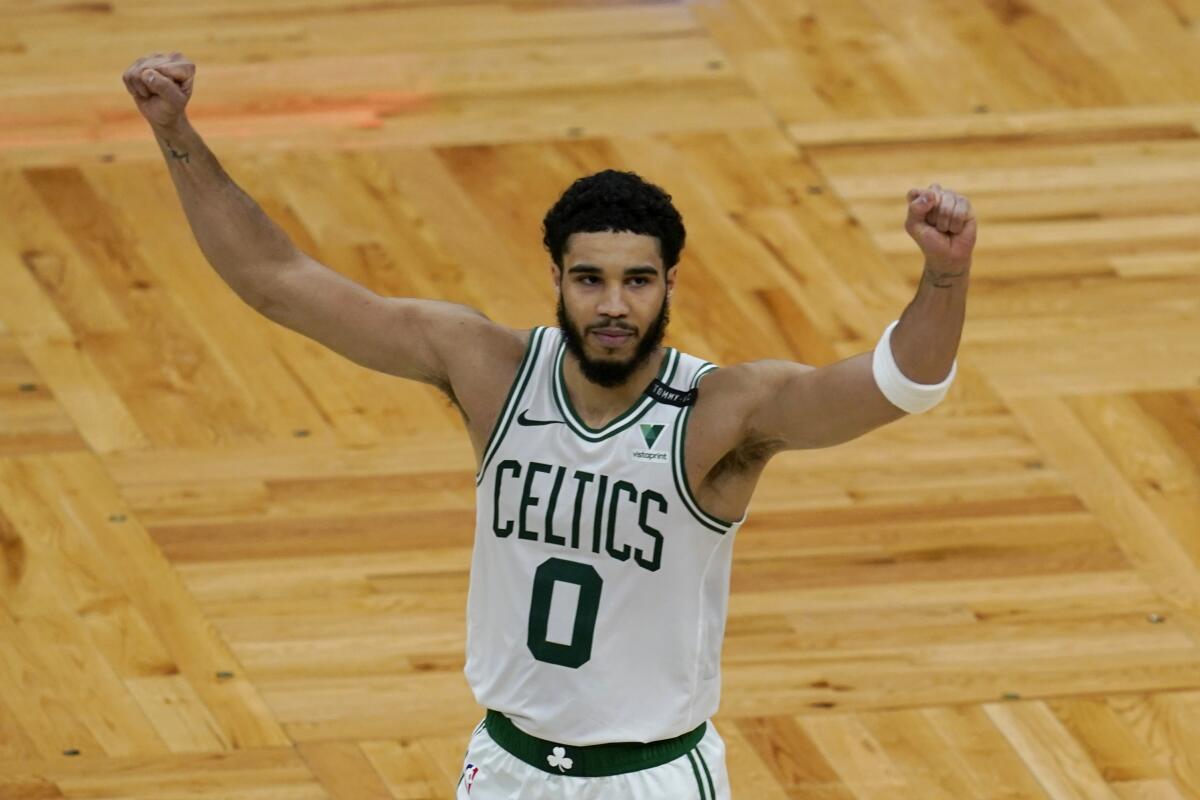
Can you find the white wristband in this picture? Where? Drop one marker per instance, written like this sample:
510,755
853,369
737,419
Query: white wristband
899,390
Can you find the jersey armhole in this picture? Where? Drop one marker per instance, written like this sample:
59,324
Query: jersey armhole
679,470
515,391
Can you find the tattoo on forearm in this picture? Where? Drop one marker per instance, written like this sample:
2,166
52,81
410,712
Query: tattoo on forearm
178,155
942,280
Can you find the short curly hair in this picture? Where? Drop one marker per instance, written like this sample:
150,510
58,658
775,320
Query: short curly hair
614,201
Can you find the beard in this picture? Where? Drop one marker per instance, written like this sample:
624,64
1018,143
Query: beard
612,373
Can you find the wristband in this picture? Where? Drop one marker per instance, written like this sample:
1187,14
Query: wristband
899,390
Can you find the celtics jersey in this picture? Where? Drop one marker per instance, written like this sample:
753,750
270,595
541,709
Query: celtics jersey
599,587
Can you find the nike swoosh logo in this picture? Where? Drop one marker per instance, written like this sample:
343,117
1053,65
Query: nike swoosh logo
524,420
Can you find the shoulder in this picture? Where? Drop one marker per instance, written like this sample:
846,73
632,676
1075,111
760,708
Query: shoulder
480,354
729,401
723,395
486,350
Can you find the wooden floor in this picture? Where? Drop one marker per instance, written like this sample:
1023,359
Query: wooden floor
234,565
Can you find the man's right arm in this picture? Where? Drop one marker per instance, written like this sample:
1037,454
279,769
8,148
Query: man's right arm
450,346
406,337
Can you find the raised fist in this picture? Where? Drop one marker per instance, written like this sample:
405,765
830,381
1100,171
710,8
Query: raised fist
161,85
942,223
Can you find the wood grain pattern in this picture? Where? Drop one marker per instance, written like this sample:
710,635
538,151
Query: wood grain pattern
234,564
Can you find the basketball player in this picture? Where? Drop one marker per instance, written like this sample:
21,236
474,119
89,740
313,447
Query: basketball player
613,472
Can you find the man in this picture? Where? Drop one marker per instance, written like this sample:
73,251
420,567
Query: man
613,472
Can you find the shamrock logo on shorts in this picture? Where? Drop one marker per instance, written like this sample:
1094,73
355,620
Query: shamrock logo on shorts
559,759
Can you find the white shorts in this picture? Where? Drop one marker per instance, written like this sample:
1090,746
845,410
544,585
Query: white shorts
492,773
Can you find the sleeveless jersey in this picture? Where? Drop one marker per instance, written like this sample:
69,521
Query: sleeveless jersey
599,588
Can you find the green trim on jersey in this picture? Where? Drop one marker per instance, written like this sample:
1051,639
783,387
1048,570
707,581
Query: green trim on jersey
508,410
666,371
679,470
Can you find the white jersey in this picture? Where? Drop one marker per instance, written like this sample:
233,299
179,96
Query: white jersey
599,588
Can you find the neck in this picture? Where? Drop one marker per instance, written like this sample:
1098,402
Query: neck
599,405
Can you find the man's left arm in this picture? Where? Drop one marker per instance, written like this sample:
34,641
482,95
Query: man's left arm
793,406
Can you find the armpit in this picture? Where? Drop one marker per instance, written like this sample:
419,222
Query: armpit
445,388
748,457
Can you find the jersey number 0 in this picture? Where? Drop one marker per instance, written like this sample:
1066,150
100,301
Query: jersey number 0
579,651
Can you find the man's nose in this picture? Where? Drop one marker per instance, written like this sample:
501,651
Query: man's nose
613,304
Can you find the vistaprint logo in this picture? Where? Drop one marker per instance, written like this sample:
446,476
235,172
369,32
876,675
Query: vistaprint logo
651,435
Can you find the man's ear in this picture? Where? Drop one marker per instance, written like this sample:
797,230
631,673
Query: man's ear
556,276
670,278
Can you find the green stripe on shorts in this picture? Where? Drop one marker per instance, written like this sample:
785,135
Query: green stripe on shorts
696,772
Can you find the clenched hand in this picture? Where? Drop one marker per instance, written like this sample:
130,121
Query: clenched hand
161,85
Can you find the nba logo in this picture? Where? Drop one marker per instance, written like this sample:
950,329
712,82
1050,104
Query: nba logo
469,774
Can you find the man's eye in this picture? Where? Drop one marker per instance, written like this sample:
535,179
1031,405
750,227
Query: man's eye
641,281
